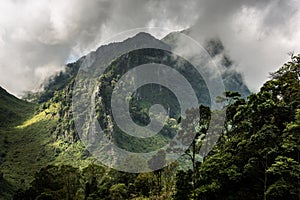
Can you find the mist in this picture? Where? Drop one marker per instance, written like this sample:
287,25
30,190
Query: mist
37,38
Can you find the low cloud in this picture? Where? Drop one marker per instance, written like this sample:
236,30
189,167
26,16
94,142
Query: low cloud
37,38
257,35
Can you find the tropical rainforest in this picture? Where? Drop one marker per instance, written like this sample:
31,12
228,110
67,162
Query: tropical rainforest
257,155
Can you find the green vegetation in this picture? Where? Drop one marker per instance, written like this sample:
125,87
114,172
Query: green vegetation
146,96
28,142
12,110
256,157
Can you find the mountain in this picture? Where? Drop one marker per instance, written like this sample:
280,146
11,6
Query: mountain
12,112
117,61
233,80
12,109
27,142
59,87
256,157
34,135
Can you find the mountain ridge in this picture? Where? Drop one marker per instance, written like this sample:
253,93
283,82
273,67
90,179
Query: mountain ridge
43,132
12,109
140,40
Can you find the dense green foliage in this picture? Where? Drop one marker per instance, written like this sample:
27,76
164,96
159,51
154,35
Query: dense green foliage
12,110
258,158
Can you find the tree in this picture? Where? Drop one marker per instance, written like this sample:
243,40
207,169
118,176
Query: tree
143,184
118,191
93,176
285,171
194,128
71,181
156,163
184,185
261,146
54,182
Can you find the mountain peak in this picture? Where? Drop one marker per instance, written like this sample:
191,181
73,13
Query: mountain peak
145,38
143,35
140,40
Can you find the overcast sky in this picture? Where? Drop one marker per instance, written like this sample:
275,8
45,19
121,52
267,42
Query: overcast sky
37,37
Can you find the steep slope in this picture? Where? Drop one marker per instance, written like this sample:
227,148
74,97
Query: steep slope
27,142
12,112
102,57
148,95
232,79
22,135
12,109
36,135
141,101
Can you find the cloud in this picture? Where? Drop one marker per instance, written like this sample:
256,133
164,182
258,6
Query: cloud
47,34
43,34
256,34
38,37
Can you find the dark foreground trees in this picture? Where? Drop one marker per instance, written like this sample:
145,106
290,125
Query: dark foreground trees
259,156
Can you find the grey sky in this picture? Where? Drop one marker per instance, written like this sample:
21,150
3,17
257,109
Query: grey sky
38,37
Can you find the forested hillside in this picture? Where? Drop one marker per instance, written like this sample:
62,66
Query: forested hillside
255,157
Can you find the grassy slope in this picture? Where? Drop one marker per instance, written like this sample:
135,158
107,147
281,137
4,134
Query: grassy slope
27,143
24,139
12,109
